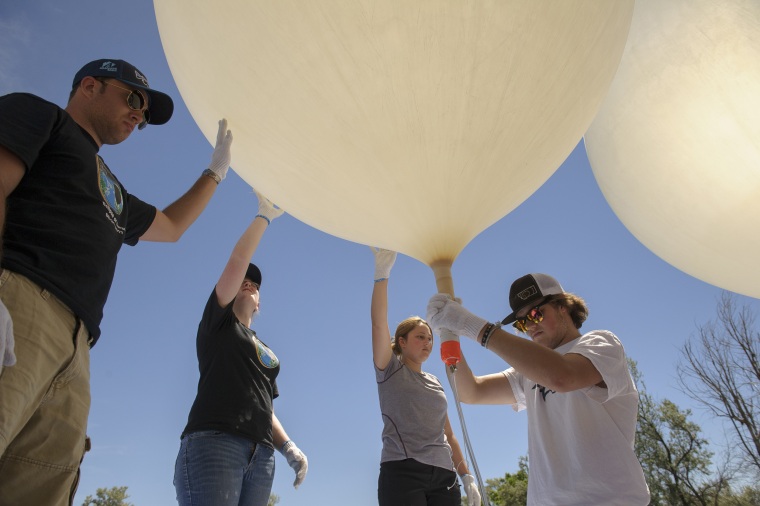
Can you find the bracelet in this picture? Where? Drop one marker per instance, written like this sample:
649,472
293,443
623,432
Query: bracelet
213,175
269,222
488,333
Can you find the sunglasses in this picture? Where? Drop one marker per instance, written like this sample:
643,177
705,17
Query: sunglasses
534,315
135,101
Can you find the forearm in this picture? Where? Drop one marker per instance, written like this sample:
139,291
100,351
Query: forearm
542,365
237,265
2,223
381,336
460,464
279,436
185,210
12,170
171,223
465,381
248,242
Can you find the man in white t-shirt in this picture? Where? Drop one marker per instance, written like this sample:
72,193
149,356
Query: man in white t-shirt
580,398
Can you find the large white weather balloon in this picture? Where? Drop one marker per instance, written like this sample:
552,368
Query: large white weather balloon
676,145
407,124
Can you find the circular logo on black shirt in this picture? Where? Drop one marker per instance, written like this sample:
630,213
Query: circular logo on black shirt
109,187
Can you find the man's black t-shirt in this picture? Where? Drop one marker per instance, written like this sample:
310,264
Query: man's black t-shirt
69,215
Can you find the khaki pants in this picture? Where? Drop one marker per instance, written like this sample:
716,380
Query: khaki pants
44,398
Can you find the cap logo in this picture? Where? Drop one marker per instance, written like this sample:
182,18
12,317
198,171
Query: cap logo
527,293
109,66
141,78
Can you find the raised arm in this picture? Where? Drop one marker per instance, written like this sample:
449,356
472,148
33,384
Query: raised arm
234,272
381,335
174,220
561,373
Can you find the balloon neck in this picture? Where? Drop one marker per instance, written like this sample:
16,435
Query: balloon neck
442,272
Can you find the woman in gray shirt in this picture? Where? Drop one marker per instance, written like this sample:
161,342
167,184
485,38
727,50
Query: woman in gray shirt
421,456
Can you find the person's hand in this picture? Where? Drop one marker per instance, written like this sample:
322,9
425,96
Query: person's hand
7,355
267,210
471,490
445,313
384,260
296,459
447,335
220,158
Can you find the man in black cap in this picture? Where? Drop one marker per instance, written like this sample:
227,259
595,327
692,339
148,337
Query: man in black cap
581,400
64,217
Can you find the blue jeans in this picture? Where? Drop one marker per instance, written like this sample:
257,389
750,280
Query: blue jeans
214,468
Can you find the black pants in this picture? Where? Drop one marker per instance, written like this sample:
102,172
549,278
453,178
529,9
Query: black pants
411,483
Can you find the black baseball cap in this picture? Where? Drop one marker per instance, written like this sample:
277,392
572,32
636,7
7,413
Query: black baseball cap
529,291
254,274
160,104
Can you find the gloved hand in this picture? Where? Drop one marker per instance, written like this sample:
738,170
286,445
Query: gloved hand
220,158
471,490
7,356
448,336
445,313
384,260
296,460
267,210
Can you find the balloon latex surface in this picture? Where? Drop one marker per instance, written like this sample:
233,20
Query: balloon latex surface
409,125
676,145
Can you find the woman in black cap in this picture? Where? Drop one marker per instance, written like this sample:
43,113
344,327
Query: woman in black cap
226,456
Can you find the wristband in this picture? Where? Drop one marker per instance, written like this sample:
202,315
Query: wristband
487,334
269,222
213,175
286,443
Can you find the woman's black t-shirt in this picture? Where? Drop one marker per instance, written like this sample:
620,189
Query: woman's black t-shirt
237,378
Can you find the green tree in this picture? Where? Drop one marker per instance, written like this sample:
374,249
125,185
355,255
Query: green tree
675,457
114,496
747,496
512,489
720,371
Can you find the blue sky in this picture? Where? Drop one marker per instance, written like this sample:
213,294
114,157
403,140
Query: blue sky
316,288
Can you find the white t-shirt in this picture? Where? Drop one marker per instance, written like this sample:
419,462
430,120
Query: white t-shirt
580,443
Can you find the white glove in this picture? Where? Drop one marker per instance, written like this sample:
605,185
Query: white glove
296,460
446,334
445,313
384,260
267,210
220,158
471,490
7,357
